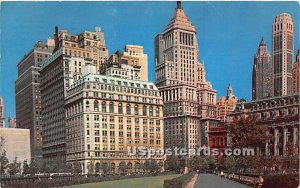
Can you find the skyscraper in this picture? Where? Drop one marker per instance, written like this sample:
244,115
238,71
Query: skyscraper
262,76
180,77
296,72
226,104
28,94
283,49
2,116
72,52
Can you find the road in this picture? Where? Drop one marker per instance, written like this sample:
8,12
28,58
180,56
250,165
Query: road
213,181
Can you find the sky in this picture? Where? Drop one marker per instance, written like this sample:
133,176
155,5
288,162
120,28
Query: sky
228,34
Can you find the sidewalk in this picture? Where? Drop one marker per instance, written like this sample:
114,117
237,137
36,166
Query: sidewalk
191,183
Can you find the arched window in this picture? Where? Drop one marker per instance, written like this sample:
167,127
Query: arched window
103,106
120,108
151,111
111,107
157,111
128,109
136,110
96,105
144,110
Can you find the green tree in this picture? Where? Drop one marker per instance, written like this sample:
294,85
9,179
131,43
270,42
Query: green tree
172,163
154,166
104,166
3,162
77,169
26,169
91,167
14,167
33,167
122,167
249,133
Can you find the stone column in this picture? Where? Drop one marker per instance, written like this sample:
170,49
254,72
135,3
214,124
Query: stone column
276,141
284,140
295,138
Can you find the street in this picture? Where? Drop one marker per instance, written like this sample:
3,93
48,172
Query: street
213,181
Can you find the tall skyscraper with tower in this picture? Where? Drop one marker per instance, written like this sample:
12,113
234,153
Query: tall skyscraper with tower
189,100
262,76
283,50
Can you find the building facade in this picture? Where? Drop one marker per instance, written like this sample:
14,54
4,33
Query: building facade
280,114
262,75
16,144
58,72
282,54
296,73
226,104
2,115
180,77
28,94
133,63
12,122
105,115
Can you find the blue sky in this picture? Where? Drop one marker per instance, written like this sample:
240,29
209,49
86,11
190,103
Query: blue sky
228,33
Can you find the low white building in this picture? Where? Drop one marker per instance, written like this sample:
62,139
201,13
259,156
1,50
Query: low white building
16,143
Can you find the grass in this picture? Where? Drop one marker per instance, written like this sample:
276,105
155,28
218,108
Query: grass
147,182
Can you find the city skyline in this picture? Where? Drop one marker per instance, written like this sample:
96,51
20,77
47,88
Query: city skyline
208,39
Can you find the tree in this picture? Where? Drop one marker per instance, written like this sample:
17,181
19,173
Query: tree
76,168
104,166
122,167
172,163
154,166
3,162
249,133
147,165
91,167
26,169
33,167
14,167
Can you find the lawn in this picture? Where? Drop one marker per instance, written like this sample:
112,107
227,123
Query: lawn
147,182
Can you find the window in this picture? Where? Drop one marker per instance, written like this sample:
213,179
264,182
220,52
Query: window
128,109
157,111
96,105
136,109
144,110
111,107
103,106
87,105
151,111
120,108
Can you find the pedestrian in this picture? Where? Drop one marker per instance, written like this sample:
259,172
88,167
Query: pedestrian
222,174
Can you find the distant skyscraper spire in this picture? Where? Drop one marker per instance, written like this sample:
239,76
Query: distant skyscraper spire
262,73
179,5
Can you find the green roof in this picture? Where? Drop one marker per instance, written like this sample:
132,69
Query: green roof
110,80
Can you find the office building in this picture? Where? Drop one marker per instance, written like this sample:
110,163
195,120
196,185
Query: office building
262,75
296,73
226,104
28,94
107,114
282,54
189,100
72,52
